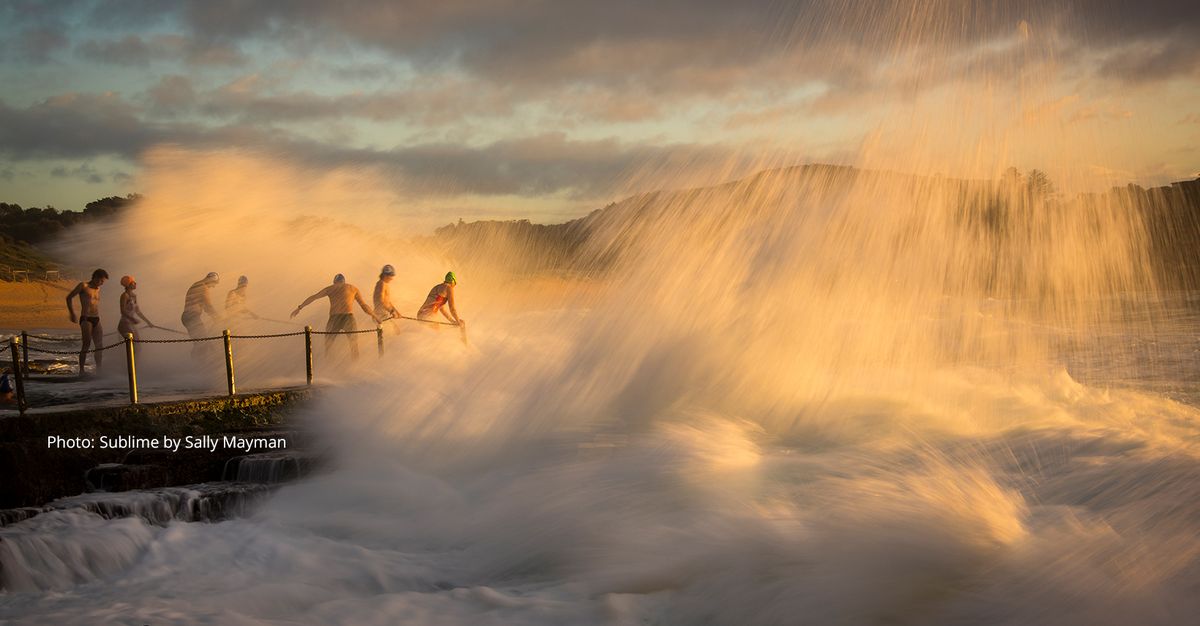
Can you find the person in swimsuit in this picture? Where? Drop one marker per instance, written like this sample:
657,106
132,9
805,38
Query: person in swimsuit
342,297
441,298
235,303
130,312
89,317
195,304
384,309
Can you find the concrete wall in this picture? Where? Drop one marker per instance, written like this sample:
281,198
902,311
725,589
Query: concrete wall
31,474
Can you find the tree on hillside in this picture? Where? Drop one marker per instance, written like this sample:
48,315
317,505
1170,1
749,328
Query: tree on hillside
106,207
1038,184
37,224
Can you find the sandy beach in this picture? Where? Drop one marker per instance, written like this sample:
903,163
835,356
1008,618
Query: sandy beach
34,305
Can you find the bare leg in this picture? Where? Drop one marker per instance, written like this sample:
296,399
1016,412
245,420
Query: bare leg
125,329
353,339
87,343
195,329
97,343
329,344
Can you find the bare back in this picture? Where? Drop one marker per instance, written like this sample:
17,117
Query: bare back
196,300
235,302
129,309
383,299
438,296
342,297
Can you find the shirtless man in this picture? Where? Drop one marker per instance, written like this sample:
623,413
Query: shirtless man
384,309
440,298
235,302
342,297
89,316
195,303
130,312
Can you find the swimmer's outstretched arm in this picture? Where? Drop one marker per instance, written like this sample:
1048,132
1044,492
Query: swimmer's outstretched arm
70,306
320,294
363,303
137,309
241,308
453,311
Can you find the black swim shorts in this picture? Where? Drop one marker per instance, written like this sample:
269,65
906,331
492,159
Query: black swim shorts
341,322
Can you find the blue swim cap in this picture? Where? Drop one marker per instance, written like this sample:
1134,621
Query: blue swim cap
340,278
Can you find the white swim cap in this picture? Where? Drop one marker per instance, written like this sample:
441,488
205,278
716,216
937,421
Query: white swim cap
212,277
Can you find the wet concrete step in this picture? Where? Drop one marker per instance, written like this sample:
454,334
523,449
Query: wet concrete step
269,467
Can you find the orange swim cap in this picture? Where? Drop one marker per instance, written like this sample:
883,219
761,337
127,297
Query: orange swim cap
127,281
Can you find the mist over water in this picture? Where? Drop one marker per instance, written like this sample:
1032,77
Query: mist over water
813,395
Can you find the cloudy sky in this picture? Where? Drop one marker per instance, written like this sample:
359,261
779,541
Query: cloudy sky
549,108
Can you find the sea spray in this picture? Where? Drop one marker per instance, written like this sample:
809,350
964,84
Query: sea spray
835,394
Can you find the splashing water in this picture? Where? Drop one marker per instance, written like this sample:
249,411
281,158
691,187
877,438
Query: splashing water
819,394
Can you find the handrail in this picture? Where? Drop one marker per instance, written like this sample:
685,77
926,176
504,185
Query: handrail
21,344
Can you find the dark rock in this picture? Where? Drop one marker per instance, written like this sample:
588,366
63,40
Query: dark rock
123,477
34,474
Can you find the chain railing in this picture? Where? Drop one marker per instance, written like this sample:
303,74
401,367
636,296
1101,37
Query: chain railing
50,337
71,352
417,319
20,345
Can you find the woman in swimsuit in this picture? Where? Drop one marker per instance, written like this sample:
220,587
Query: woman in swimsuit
130,312
441,298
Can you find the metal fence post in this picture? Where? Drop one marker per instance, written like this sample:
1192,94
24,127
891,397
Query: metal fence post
25,351
131,367
308,366
18,380
379,339
229,362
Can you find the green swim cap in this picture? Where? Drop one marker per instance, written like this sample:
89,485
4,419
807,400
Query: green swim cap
451,278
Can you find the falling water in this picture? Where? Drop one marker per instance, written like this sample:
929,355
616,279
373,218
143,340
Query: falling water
813,394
